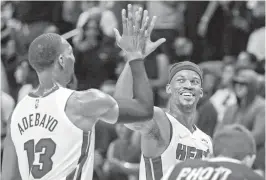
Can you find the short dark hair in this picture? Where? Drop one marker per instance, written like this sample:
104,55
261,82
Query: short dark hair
234,141
44,50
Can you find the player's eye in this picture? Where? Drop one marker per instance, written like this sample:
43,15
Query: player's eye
195,82
180,80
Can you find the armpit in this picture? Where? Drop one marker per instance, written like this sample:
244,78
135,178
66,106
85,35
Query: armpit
142,127
154,133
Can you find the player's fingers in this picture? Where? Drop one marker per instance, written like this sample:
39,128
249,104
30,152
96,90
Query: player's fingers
146,24
151,26
143,29
130,20
135,31
138,18
158,43
124,21
145,15
117,35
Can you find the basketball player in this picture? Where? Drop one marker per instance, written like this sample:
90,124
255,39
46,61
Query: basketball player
52,129
234,149
169,136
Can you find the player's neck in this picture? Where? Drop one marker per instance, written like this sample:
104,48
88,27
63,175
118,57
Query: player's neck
46,81
185,118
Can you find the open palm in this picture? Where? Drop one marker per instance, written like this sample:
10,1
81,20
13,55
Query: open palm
136,35
149,45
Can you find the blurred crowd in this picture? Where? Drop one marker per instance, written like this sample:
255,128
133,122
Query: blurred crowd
226,38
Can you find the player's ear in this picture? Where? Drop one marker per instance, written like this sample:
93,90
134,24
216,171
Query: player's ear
168,89
249,160
201,92
61,61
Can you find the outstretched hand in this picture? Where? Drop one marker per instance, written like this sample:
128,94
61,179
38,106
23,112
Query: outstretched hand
135,40
149,45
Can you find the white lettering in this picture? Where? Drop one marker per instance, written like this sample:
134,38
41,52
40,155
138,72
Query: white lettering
183,173
194,174
206,173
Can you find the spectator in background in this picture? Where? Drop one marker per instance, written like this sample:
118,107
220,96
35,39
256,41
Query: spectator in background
183,49
211,113
224,96
256,45
120,152
210,84
170,24
210,32
7,42
248,111
193,14
206,113
94,50
237,28
89,67
108,87
246,59
8,51
35,17
7,106
27,78
261,85
4,81
104,135
107,19
71,11
257,9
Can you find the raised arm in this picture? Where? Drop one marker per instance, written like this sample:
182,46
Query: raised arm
136,44
134,76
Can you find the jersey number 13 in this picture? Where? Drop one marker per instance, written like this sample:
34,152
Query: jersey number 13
46,148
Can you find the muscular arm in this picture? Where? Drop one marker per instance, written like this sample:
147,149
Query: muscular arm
124,90
156,131
10,170
94,104
139,108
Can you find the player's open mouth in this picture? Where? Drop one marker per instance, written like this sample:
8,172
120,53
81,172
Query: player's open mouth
187,94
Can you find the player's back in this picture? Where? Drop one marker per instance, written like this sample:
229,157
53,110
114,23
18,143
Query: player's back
213,169
48,144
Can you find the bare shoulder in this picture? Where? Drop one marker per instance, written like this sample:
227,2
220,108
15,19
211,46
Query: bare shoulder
158,126
162,122
92,99
156,140
159,113
88,106
148,127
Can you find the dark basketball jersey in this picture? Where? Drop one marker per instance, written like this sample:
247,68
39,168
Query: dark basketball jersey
213,169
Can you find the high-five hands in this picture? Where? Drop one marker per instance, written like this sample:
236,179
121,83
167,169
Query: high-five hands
135,40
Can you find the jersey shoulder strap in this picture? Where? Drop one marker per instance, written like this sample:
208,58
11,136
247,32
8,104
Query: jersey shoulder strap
63,95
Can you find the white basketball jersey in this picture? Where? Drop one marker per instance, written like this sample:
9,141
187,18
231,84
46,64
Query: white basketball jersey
48,145
183,145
